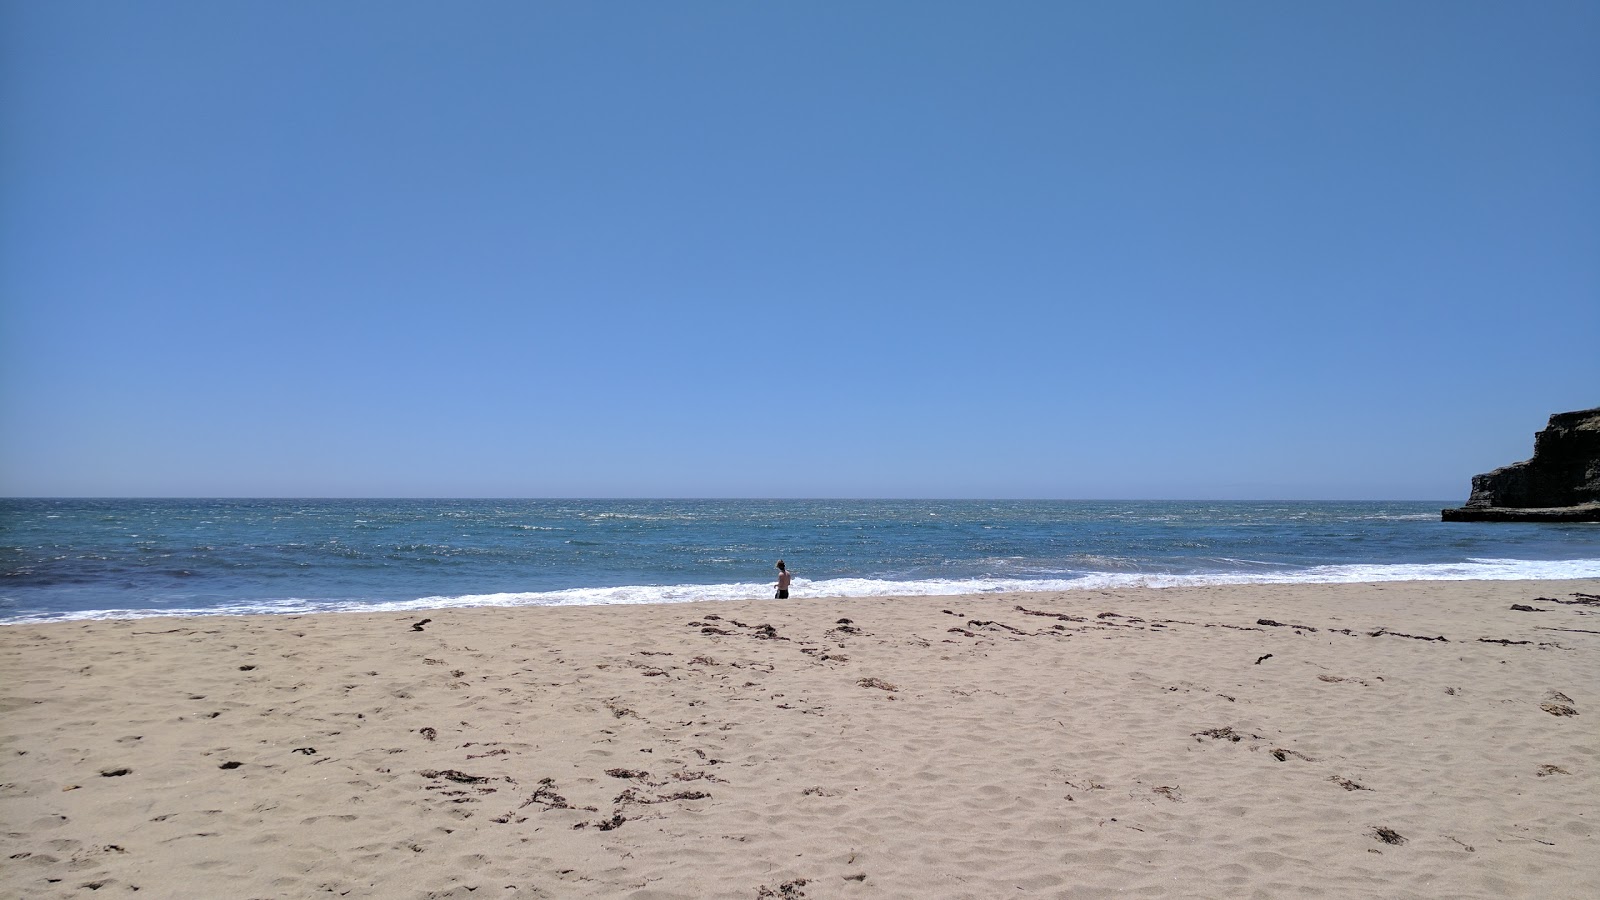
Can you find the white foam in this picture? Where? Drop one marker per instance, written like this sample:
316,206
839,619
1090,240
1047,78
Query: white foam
1471,570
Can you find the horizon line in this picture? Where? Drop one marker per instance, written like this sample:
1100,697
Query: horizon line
727,497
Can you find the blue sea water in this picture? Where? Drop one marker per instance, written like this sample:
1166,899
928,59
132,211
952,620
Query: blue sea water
84,559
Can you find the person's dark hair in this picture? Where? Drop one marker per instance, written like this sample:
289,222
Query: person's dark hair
780,564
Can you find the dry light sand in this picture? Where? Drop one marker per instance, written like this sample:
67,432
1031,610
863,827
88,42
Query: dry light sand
1384,740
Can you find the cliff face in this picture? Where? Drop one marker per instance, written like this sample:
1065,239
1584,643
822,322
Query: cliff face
1560,483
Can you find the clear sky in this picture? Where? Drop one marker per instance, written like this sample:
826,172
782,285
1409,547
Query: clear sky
1253,250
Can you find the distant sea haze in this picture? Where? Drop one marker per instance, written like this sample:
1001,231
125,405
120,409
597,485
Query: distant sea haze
84,559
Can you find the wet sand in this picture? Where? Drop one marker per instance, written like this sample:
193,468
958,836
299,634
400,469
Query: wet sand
1394,740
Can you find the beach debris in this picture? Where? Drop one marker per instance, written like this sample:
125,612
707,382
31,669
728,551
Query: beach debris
1262,659
696,775
1468,847
1502,641
1387,835
1523,607
702,661
878,683
1171,793
684,795
820,654
115,773
1579,599
629,796
618,709
627,773
1131,621
1034,612
428,733
307,751
454,775
1225,733
614,822
230,765
1282,755
993,626
417,626
1558,704
981,623
789,890
545,795
1284,625
762,632
1416,637
246,668
1548,769
1347,784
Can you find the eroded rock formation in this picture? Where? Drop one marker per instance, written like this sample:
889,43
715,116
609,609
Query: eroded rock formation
1561,483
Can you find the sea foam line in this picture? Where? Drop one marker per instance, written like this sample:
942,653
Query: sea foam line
1470,570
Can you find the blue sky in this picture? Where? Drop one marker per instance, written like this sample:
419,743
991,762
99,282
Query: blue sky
919,249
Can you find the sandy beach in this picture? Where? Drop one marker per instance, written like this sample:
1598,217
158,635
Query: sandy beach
1419,739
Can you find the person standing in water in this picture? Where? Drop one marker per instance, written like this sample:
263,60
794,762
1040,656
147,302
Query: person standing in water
783,583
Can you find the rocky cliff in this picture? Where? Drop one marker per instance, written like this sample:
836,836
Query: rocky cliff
1561,483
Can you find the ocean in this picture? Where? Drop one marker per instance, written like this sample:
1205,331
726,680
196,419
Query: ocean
98,559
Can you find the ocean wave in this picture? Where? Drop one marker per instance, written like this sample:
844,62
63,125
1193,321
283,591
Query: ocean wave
1470,570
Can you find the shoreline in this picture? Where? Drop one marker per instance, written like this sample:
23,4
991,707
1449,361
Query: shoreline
870,588
1181,741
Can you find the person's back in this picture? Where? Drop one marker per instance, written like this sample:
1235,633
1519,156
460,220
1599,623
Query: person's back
783,582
